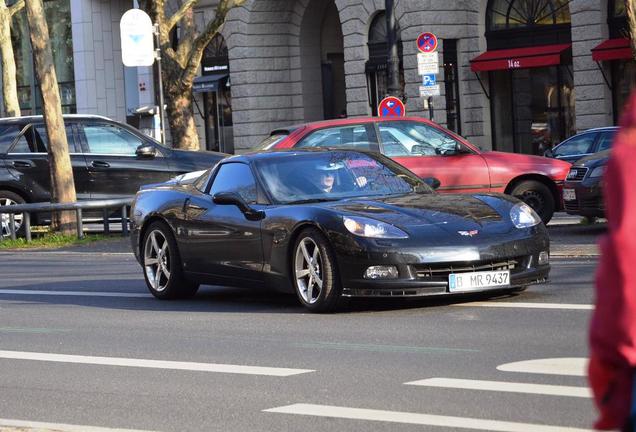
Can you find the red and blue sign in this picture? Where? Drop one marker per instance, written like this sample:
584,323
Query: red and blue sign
391,107
427,42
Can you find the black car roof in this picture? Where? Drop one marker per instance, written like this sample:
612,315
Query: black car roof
276,153
32,118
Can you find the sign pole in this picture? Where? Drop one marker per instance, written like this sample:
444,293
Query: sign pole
430,108
161,104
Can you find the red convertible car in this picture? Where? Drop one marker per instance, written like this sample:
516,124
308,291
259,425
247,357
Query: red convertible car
429,150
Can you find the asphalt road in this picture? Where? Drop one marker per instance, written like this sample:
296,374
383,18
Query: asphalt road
239,360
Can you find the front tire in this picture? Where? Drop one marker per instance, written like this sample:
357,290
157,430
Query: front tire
314,272
162,264
538,196
10,198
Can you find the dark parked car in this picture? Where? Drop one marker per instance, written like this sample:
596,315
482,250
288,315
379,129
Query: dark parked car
109,159
583,192
586,143
326,224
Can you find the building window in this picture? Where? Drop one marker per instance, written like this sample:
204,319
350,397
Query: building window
533,107
58,18
376,66
451,83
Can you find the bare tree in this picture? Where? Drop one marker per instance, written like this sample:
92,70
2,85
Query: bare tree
62,183
9,88
630,6
181,64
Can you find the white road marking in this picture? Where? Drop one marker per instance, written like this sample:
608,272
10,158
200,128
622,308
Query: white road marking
418,419
58,427
503,386
75,293
521,305
569,366
155,364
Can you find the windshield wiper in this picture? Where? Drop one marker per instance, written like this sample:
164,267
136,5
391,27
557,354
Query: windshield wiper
314,200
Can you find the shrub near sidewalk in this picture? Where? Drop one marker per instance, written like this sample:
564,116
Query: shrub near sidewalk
50,241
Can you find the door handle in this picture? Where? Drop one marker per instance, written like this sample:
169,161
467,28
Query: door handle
100,164
22,164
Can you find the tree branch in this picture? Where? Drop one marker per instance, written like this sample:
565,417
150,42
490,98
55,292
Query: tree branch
178,15
213,27
17,7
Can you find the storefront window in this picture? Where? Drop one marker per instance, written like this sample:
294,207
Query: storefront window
376,66
623,70
58,17
532,107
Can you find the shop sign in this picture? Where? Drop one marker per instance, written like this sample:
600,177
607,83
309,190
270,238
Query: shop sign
137,44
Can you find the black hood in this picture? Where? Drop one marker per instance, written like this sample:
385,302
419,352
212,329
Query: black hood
593,160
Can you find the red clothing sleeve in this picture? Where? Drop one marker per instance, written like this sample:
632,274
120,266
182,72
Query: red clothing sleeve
613,326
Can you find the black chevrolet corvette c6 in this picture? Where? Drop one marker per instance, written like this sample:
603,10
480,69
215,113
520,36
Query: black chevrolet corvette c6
326,224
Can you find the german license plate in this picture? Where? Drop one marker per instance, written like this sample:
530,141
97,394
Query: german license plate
569,195
475,281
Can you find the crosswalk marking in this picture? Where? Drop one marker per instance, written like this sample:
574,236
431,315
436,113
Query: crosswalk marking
569,366
504,386
522,305
75,293
416,418
155,364
57,427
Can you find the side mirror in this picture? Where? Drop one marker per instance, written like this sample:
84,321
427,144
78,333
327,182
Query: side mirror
146,151
432,182
548,153
231,198
460,149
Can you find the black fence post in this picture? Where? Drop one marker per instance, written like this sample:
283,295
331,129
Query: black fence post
124,221
27,226
12,225
106,221
80,224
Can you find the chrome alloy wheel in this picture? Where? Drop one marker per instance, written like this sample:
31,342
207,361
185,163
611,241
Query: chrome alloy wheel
307,266
17,221
157,260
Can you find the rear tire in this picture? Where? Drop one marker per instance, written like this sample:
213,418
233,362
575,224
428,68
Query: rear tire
538,196
162,265
11,198
314,272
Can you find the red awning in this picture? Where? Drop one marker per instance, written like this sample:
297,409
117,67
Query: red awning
519,58
612,49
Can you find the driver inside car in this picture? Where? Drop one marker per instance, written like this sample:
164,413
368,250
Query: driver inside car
330,179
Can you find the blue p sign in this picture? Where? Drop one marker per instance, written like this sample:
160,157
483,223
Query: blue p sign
429,80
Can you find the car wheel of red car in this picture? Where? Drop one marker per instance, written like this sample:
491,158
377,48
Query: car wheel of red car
538,196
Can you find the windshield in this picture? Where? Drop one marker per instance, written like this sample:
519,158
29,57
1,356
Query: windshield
327,176
269,142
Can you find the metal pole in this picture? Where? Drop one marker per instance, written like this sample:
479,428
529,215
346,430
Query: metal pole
124,221
430,108
27,226
80,226
105,215
393,61
161,104
12,225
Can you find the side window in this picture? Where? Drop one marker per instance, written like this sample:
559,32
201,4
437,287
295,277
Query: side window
110,140
578,145
42,138
606,140
237,178
360,137
7,136
30,142
403,138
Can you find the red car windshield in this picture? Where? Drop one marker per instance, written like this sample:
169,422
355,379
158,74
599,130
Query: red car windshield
334,175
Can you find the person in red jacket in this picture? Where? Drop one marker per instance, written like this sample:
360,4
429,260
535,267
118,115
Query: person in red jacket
613,328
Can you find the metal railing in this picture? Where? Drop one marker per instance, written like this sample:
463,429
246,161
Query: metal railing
27,209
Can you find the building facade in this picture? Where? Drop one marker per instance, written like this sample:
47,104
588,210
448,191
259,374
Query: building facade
515,75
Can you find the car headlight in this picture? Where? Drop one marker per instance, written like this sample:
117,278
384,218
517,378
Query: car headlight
598,171
365,227
523,216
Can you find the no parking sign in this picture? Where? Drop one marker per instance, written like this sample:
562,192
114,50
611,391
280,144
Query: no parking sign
391,107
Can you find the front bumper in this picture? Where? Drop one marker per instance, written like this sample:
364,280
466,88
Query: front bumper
589,199
425,271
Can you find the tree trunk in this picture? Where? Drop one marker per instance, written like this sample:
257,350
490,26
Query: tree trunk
630,6
62,183
9,88
181,117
